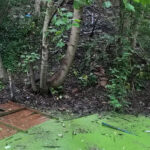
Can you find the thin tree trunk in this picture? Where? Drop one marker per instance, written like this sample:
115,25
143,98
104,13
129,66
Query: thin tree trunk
32,78
2,74
134,38
135,28
51,10
10,84
60,75
43,3
37,7
45,53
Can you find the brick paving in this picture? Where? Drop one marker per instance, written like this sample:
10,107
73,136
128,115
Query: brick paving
15,117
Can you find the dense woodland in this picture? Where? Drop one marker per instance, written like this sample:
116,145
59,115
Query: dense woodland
81,56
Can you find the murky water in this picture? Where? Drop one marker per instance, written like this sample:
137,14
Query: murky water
86,133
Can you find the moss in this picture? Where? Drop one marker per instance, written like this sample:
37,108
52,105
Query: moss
86,133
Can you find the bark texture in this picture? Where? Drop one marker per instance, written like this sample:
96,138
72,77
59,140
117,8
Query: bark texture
37,7
10,84
60,75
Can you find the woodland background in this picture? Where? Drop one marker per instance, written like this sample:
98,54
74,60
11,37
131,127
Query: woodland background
76,56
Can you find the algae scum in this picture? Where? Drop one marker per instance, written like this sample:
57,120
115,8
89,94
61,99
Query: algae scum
86,133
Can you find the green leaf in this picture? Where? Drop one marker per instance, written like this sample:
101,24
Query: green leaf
107,4
81,3
63,9
76,25
77,20
52,30
144,2
130,7
60,44
69,14
59,22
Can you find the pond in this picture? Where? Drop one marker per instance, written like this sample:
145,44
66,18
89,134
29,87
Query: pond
94,132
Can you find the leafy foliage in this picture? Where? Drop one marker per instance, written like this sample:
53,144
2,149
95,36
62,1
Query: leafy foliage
107,4
88,80
144,2
128,6
1,86
60,24
119,84
28,59
18,35
130,65
81,3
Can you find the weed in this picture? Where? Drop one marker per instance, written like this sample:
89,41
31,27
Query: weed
88,80
1,86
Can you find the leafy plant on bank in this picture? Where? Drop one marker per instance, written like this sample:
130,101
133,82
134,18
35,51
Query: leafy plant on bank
127,74
88,80
1,86
27,59
119,85
130,67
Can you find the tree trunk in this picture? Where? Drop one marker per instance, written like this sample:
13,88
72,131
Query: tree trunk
50,12
37,7
43,3
32,78
2,71
134,38
135,28
10,84
60,75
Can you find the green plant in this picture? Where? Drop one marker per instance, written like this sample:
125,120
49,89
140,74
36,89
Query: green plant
76,73
82,3
18,35
13,46
121,72
27,59
88,80
57,91
129,66
1,85
126,75
60,24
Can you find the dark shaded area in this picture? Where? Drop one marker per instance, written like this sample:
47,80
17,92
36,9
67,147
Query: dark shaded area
140,101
